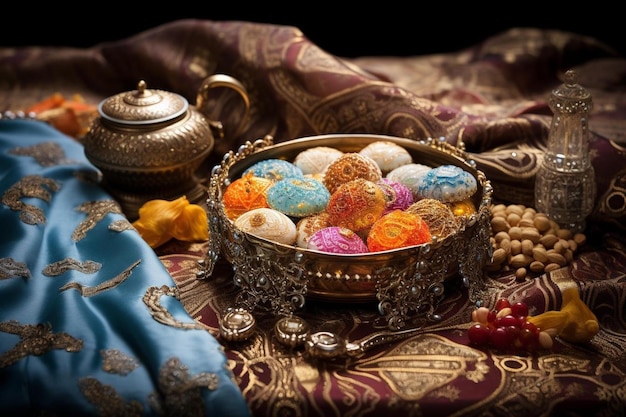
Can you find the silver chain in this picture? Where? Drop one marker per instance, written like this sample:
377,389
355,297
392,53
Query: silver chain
17,115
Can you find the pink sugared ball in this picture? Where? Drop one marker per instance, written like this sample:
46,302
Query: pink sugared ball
335,239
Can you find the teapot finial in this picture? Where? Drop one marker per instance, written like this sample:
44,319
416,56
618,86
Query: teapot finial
141,87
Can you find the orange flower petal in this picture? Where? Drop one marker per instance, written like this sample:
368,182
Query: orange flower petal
156,219
192,224
153,237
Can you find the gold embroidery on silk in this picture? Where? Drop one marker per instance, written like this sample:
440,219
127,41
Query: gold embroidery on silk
152,300
107,400
33,186
411,373
35,340
121,225
533,388
46,154
191,293
87,291
115,361
562,363
60,267
9,267
180,393
96,210
279,385
479,374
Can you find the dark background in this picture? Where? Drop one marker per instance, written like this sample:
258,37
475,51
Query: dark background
387,28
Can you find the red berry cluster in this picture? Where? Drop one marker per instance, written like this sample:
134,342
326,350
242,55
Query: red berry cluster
506,327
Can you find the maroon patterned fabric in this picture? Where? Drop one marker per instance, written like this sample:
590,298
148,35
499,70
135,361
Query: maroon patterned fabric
490,98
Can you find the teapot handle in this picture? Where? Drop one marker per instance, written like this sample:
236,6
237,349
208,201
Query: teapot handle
223,80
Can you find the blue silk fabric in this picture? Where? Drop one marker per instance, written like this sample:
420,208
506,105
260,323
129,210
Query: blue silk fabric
89,319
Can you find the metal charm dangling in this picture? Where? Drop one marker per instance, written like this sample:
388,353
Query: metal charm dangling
292,331
237,325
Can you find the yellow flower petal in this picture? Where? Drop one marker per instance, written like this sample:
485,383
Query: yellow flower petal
156,219
154,237
192,224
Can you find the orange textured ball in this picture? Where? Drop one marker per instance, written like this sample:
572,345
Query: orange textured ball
356,205
398,229
244,194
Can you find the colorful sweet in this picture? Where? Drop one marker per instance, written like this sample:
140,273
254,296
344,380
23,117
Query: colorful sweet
399,196
348,167
306,226
244,194
463,208
410,175
315,160
356,205
388,155
447,183
275,169
397,229
439,217
298,197
336,239
269,224
345,195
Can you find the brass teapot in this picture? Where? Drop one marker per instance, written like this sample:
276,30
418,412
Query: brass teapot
148,144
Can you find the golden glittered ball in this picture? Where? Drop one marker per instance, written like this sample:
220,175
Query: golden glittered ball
356,205
463,208
348,167
244,194
398,229
439,217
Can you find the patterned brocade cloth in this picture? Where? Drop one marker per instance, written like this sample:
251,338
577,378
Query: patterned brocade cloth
492,99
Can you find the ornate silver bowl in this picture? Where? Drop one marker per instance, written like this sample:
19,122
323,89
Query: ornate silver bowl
403,282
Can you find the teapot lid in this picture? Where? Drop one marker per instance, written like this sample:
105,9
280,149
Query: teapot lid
143,106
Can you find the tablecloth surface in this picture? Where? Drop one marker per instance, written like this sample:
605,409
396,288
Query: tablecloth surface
490,98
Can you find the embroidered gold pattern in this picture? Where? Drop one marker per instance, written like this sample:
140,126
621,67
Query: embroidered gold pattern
30,186
107,400
444,362
96,210
57,268
35,340
121,225
179,392
152,300
115,361
87,291
9,267
46,154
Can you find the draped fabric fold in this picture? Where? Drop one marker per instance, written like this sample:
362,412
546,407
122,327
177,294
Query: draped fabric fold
490,97
90,320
